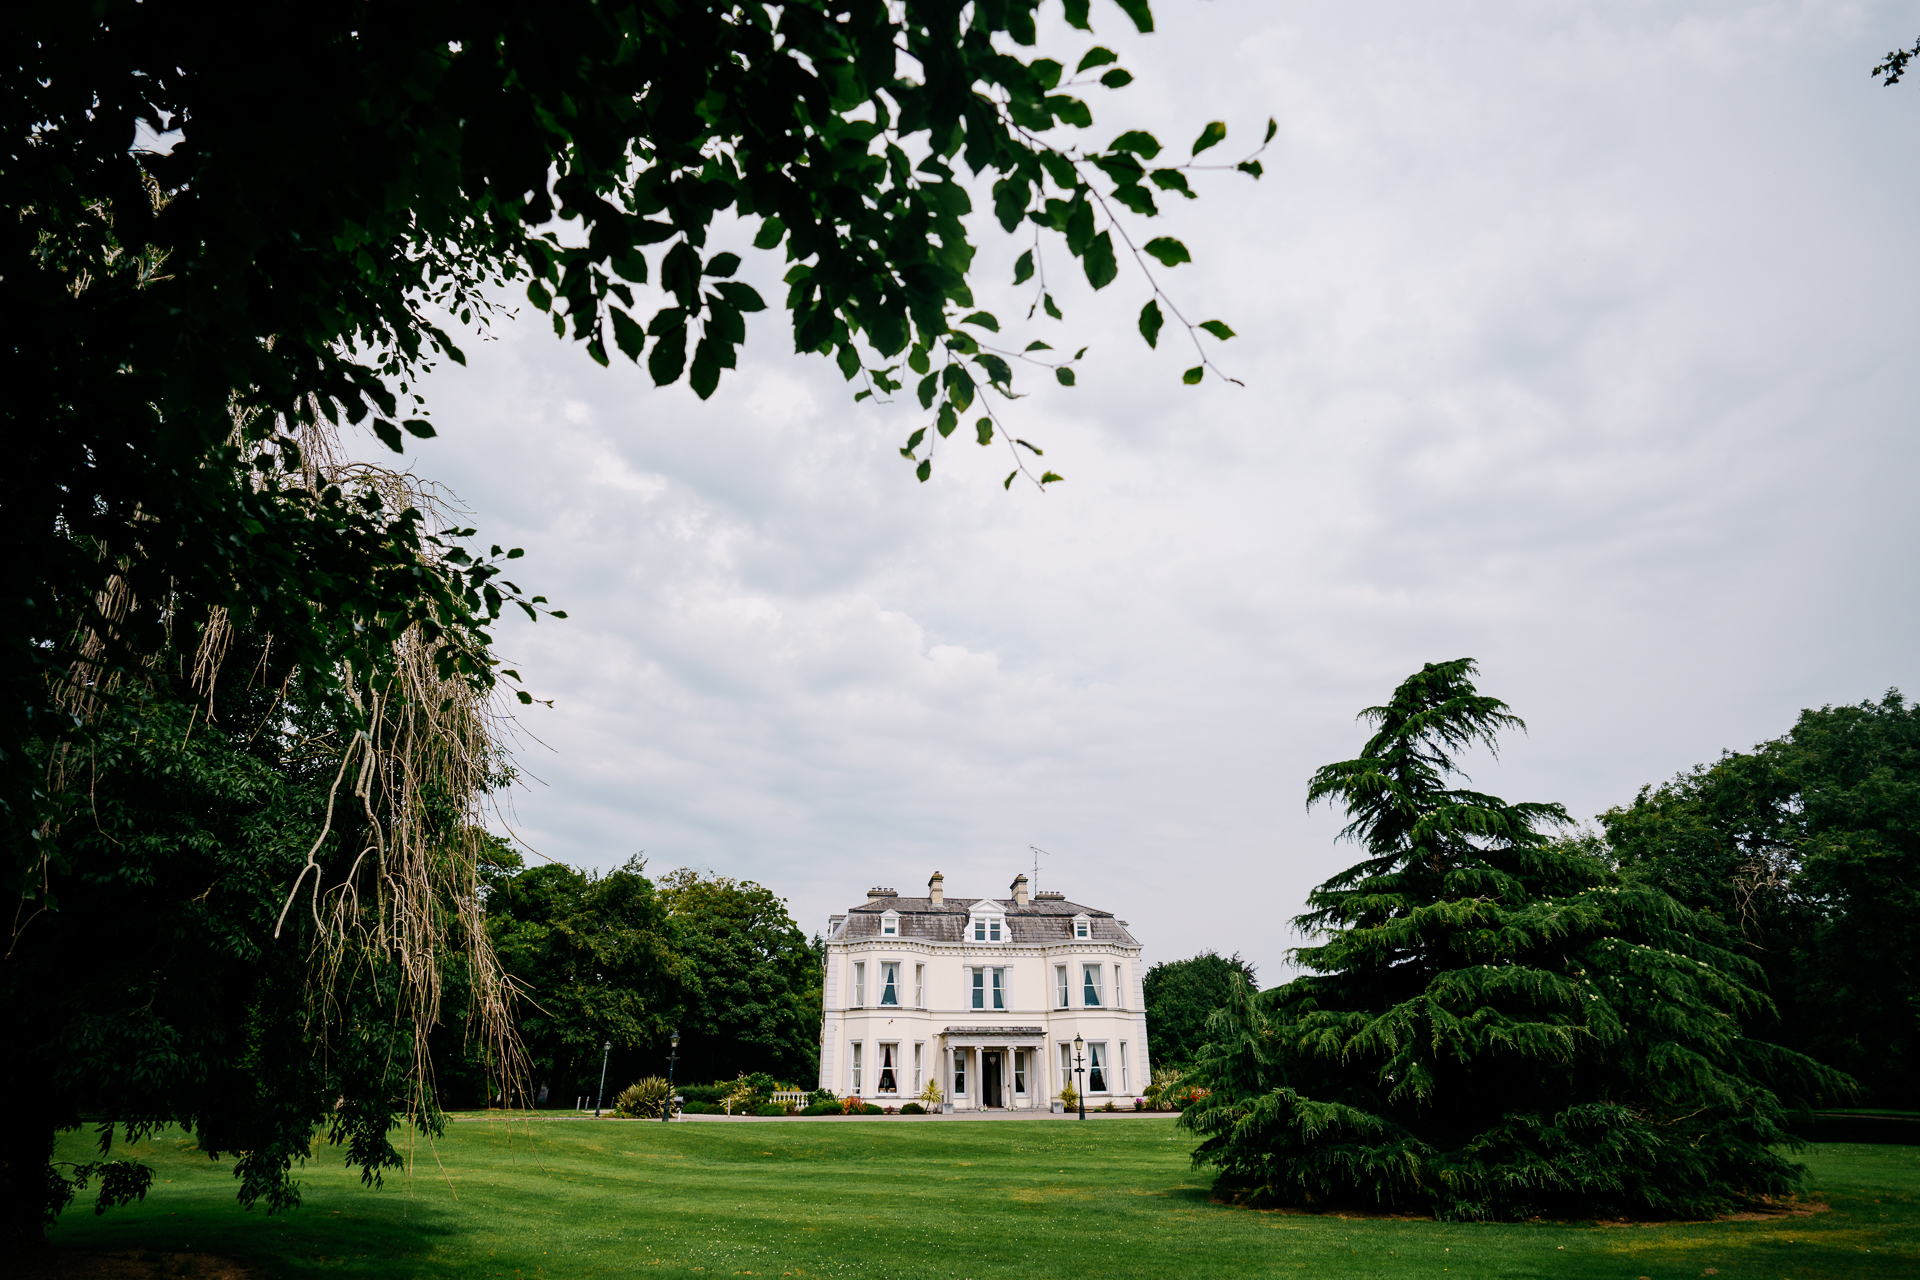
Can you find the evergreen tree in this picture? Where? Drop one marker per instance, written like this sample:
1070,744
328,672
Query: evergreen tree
1494,1023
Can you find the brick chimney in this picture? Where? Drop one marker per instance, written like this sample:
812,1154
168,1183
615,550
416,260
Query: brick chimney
937,889
1020,890
879,895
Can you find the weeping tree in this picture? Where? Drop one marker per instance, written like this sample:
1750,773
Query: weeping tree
1494,1023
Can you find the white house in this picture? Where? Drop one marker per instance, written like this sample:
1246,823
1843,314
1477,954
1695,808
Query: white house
983,995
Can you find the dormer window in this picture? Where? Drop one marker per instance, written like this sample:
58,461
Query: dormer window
1082,928
890,925
988,924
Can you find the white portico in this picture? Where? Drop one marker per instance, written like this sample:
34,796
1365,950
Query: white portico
984,996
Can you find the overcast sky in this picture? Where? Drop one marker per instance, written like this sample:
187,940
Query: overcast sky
1579,339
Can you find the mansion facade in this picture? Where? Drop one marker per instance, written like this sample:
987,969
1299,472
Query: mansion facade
983,996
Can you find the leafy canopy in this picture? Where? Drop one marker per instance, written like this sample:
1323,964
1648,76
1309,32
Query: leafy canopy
1494,1024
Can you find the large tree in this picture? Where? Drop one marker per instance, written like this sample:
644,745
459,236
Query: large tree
1808,848
1494,1024
223,235
1181,996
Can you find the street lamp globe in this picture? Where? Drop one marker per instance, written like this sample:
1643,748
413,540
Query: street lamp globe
1079,1046
676,1040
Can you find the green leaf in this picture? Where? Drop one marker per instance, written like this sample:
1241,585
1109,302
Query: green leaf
1194,374
1118,78
959,386
947,420
1211,136
1034,449
389,435
668,357
849,361
722,264
627,334
982,320
420,427
1046,300
680,274
1172,180
1023,269
1139,142
1137,10
1050,477
996,368
667,319
917,359
1079,227
1096,57
929,388
1037,345
1100,263
1046,72
1250,166
1064,376
924,470
1169,251
704,376
1150,322
1008,482
913,441
744,297
1218,328
771,232
1138,199
983,430
1077,14
538,295
1273,127
1070,110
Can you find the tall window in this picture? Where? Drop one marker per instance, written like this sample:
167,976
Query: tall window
1066,1064
1126,1085
1060,981
859,985
887,1082
959,1073
920,986
1090,980
999,988
1119,990
979,988
890,983
856,1068
1096,1068
1020,1059
917,1085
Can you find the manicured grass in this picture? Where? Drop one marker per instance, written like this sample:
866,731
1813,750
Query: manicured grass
1110,1198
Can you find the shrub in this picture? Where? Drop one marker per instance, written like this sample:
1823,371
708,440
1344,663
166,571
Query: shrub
851,1105
871,1110
1161,1088
1109,1106
913,1109
702,1093
701,1109
770,1109
822,1109
643,1098
1069,1097
825,1095
931,1097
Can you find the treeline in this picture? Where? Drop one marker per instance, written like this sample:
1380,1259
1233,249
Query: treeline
1501,1019
616,957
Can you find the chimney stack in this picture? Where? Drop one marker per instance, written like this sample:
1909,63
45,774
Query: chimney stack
879,895
937,889
1020,890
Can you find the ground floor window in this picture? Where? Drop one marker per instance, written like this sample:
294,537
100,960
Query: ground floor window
856,1068
917,1086
959,1073
1020,1058
1096,1068
888,1084
1126,1085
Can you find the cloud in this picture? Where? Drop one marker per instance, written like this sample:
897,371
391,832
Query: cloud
1577,338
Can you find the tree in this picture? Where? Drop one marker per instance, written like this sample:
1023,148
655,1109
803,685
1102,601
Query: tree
1808,847
750,981
1181,995
591,958
1494,1024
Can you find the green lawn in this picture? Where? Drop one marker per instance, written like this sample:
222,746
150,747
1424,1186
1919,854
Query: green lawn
1109,1198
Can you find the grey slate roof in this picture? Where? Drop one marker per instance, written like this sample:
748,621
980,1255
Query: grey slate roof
1041,922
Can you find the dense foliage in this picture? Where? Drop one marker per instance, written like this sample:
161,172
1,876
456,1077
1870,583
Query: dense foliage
1181,996
1808,848
1494,1024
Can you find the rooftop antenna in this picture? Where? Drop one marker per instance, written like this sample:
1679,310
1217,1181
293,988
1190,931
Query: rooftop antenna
1038,853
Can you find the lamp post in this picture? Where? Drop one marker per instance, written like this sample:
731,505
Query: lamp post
666,1108
1078,1046
605,1049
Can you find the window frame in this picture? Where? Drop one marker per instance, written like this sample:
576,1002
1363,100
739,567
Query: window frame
1091,976
959,1073
889,1051
1064,974
1083,928
859,984
853,1066
920,986
889,984
1095,1065
890,924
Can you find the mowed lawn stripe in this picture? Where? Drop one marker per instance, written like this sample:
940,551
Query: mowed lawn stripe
974,1200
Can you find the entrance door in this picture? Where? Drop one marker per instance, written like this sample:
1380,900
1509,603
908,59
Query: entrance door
990,1092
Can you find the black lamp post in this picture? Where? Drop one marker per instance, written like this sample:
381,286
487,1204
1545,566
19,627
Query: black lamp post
666,1109
1078,1046
605,1049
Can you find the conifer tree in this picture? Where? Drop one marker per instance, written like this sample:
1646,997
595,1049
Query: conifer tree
1494,1023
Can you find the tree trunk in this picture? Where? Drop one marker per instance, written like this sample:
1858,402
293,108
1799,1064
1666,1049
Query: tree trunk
26,1145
